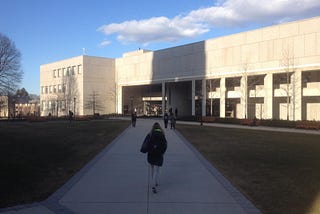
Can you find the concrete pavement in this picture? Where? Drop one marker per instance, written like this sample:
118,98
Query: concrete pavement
118,181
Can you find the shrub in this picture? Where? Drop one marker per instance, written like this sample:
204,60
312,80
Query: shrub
308,125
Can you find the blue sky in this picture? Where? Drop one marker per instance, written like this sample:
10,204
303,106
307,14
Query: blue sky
46,31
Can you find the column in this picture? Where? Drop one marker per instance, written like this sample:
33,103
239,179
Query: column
193,94
204,97
268,96
163,103
297,95
223,97
119,99
243,97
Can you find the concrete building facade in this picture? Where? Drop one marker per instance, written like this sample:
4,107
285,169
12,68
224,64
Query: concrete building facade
84,85
272,72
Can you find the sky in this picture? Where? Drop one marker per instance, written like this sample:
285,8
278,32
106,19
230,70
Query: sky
46,31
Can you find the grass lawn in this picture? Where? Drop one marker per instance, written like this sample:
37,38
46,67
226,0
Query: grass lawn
279,172
37,158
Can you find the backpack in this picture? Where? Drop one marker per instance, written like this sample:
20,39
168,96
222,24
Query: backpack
157,143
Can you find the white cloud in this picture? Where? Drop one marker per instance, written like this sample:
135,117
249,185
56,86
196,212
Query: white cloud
222,14
155,29
104,43
235,12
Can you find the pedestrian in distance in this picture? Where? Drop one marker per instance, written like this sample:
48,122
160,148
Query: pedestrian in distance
155,144
134,119
166,119
176,112
173,122
70,116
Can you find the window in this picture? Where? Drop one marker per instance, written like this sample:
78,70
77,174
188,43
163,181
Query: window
49,105
59,72
69,71
73,70
43,105
54,73
64,88
64,72
63,105
79,69
50,89
54,89
59,88
46,90
42,89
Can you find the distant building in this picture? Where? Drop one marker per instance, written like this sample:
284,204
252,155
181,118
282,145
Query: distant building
268,73
10,108
4,107
31,108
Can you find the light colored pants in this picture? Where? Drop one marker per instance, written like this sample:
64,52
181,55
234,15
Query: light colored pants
155,171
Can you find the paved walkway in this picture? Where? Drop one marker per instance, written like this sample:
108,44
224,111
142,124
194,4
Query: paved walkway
117,181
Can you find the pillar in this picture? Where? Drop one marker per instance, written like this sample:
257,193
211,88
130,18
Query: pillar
204,97
268,96
119,99
223,97
297,95
244,97
193,94
163,103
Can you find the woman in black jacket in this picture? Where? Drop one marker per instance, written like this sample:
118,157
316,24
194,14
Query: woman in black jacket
157,146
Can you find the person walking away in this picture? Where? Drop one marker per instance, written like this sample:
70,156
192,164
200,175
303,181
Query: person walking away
134,119
176,112
173,122
156,147
166,119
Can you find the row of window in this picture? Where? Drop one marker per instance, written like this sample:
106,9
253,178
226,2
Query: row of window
53,105
60,88
68,71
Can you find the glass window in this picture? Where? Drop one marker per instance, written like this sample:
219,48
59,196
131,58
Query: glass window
64,72
59,72
49,104
73,70
46,89
43,105
69,71
54,73
59,88
63,105
54,89
79,69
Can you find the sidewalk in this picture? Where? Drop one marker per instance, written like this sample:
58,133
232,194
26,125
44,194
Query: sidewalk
117,181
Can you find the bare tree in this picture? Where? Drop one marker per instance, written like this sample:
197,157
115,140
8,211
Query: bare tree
94,103
10,72
111,97
287,62
69,90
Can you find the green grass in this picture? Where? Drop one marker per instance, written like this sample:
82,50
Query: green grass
279,172
37,158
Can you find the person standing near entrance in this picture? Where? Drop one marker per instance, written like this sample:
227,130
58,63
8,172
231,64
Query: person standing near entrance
176,112
155,145
134,119
166,119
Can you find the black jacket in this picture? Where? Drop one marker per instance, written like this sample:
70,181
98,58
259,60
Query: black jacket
157,147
